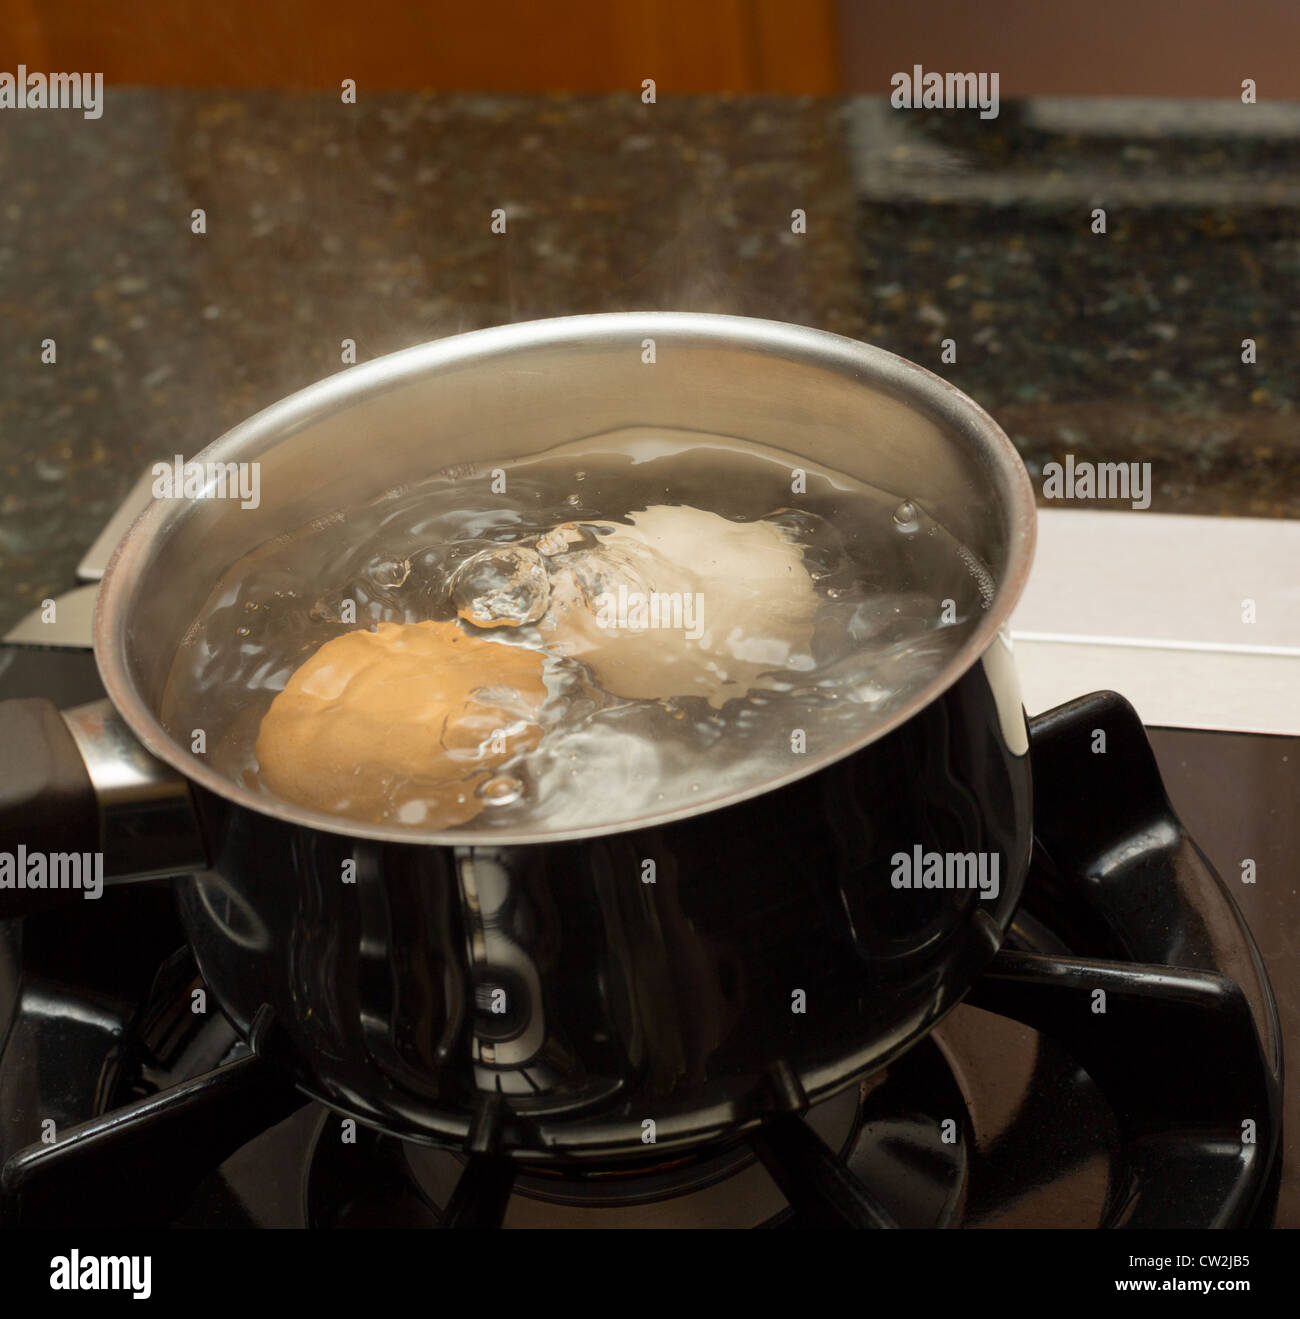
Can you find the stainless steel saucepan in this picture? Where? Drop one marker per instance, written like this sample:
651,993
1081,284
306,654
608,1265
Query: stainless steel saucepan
769,965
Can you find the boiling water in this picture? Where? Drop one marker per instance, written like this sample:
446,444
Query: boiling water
896,597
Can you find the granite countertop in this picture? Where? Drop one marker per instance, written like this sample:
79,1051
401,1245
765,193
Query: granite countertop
372,222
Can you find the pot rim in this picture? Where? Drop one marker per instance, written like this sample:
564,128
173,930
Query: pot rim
912,383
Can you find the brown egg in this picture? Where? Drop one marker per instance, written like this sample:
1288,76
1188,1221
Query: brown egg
401,725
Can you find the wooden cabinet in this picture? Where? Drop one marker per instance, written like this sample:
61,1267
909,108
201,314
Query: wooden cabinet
493,45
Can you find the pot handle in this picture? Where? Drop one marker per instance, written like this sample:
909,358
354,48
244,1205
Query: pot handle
82,802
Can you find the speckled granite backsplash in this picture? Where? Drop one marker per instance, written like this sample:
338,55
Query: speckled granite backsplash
328,222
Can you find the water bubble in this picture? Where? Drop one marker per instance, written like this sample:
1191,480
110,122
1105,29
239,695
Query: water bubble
568,536
501,790
390,573
506,585
907,517
983,578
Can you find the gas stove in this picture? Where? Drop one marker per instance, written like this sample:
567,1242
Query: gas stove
1120,1064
